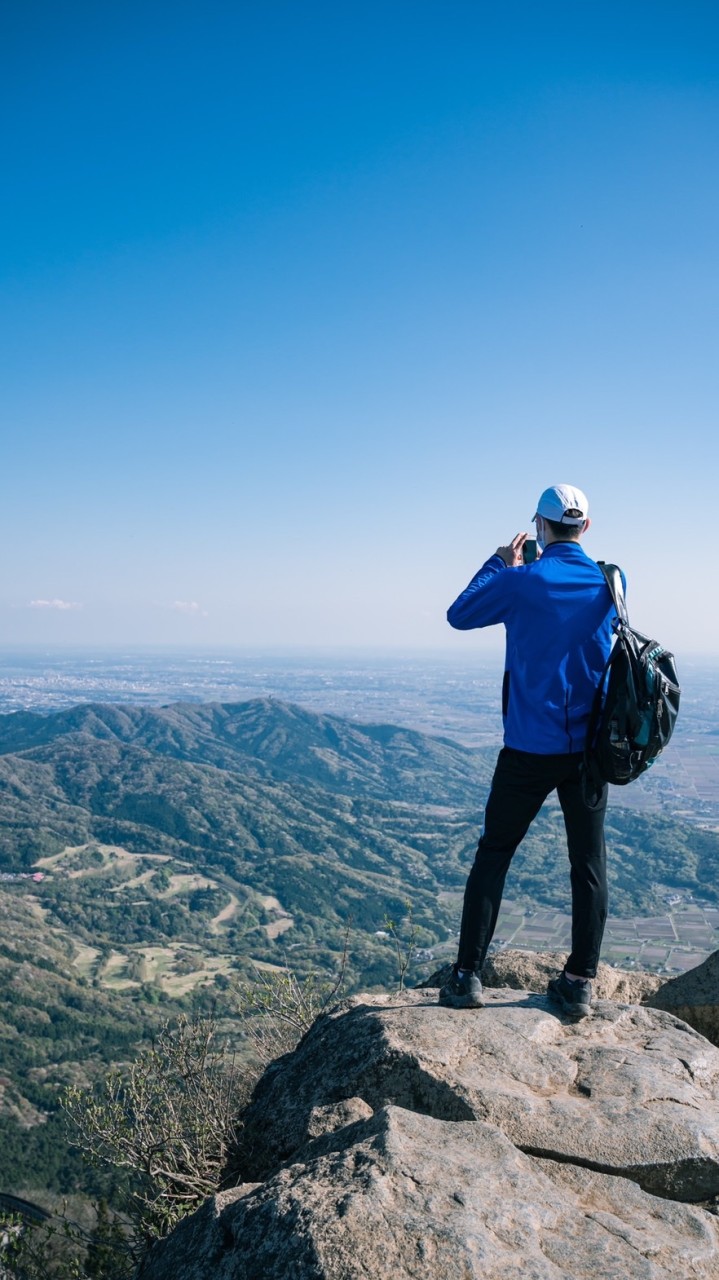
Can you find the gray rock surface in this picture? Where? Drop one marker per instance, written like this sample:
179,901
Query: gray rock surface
405,1195
694,997
531,971
402,1139
628,1091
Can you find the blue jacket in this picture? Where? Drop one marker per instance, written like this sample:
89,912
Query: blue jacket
558,615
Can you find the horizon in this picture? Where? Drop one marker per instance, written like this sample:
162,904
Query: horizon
465,655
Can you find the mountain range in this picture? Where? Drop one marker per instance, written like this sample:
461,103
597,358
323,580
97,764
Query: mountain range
329,817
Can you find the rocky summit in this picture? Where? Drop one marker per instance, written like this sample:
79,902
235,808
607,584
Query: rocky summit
402,1139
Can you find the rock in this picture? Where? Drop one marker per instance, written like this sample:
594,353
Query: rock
629,1092
337,1116
401,1140
404,1196
531,971
694,997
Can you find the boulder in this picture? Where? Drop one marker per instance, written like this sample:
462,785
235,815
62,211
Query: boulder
630,1091
694,997
402,1139
403,1195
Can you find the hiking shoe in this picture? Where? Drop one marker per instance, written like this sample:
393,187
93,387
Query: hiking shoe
575,998
462,992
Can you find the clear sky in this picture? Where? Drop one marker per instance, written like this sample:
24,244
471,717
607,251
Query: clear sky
303,304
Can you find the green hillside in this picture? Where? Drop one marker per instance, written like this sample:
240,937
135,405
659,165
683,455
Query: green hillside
181,846
56,1029
268,741
329,818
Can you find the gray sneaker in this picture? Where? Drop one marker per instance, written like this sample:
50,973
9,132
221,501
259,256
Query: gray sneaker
463,992
575,998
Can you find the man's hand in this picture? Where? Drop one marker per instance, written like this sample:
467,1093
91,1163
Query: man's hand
512,555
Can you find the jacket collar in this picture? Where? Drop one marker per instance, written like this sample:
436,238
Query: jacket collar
564,549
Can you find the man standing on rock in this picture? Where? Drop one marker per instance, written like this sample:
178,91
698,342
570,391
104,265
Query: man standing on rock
558,614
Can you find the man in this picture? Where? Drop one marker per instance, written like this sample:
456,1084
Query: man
558,614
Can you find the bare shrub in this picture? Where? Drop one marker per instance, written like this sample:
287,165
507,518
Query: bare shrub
168,1120
404,937
278,1008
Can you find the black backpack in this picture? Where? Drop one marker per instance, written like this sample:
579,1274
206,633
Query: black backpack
635,706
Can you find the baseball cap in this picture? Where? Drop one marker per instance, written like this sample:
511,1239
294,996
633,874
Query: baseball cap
563,503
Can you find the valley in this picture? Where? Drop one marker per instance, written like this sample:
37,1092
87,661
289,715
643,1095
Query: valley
155,859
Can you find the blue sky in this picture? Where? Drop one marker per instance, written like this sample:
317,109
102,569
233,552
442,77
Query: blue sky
303,305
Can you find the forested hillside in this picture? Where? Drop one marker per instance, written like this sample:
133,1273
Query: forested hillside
331,818
181,846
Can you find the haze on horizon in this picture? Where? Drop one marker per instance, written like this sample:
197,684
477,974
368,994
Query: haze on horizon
303,306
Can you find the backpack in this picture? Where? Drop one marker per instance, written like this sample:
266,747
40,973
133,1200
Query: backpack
636,703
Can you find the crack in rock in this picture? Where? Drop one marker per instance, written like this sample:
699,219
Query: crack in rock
474,1208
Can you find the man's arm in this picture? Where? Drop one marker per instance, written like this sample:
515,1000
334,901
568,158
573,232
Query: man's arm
484,602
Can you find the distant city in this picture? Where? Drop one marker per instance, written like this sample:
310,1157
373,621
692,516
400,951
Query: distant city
454,697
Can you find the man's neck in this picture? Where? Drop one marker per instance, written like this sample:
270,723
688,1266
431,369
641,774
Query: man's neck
551,540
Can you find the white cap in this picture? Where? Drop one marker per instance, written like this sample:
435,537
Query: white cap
563,503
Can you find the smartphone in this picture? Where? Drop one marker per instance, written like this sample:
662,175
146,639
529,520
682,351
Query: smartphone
529,550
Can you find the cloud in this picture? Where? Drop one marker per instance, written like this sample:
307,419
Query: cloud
189,607
54,604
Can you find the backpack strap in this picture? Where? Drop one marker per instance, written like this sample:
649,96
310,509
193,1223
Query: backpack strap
613,579
590,773
592,783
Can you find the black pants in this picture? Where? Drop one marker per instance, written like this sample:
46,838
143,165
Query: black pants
522,781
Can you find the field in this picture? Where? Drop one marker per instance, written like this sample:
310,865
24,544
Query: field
174,969
668,944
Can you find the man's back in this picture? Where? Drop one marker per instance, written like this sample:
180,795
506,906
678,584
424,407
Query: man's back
558,616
